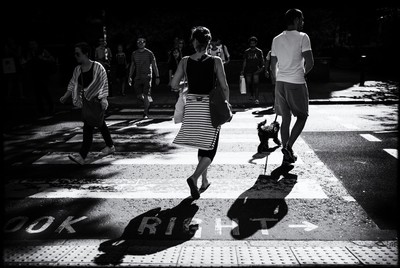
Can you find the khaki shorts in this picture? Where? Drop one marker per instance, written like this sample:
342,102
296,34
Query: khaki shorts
291,99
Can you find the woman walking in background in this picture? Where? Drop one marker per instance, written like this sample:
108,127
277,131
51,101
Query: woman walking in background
89,82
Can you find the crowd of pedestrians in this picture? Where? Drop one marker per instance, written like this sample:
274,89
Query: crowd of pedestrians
203,62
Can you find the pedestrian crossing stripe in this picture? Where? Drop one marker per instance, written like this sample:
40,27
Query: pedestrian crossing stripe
392,152
176,188
179,158
370,137
167,137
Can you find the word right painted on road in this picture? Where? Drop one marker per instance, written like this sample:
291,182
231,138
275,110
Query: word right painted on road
157,227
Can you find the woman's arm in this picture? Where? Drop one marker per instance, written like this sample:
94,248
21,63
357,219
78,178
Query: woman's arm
179,73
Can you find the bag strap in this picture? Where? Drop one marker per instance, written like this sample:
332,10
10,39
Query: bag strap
82,87
214,73
185,78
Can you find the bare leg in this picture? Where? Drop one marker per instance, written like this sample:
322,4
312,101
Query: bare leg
204,180
201,169
286,119
296,130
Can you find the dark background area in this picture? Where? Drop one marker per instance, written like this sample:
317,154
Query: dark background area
341,34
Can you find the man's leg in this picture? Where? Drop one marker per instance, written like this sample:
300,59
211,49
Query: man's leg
255,87
147,94
286,119
296,130
249,86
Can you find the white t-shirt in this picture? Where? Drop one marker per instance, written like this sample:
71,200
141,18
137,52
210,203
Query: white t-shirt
288,47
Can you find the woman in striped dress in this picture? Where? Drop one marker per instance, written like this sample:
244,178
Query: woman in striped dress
202,71
89,81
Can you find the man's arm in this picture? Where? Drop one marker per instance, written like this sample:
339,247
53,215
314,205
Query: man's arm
309,61
155,70
274,60
131,70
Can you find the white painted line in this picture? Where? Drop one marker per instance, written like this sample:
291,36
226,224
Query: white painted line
370,137
166,138
385,131
151,110
302,189
348,198
179,158
392,152
114,122
349,126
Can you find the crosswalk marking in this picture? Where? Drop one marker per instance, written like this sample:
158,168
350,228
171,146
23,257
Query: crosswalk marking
167,137
370,137
392,152
179,158
173,188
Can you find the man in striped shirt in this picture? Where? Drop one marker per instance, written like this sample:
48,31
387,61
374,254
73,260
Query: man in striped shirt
143,63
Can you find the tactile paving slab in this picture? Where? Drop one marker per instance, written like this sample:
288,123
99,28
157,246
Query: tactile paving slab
152,256
198,255
324,256
265,256
376,255
208,256
34,254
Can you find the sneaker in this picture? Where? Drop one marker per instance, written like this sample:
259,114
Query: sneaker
77,158
288,155
107,150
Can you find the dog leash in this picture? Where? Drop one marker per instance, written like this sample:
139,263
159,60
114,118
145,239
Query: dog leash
276,117
266,163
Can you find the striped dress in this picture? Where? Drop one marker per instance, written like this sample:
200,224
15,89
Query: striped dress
196,130
98,88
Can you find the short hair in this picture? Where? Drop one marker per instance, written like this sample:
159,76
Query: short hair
84,47
291,15
253,38
202,35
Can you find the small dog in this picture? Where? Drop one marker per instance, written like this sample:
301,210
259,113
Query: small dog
266,132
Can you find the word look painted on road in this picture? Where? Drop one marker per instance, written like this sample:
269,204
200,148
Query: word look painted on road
41,224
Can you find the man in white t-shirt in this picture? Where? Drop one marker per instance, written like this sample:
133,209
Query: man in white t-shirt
291,61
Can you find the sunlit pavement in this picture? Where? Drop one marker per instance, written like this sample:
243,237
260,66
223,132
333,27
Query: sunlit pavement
129,209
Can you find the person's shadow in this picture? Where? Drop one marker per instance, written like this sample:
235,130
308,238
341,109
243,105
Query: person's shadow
263,205
151,232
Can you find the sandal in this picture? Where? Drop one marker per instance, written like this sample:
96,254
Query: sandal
194,192
203,189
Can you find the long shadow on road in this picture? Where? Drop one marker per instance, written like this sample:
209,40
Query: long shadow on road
263,205
151,232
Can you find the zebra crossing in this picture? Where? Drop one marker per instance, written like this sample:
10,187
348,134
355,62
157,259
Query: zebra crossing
147,171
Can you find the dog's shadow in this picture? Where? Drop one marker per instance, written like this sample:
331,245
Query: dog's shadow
262,206
262,154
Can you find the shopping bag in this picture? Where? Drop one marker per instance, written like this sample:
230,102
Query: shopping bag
180,107
242,85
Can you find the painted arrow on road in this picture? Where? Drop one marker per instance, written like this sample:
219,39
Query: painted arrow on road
305,224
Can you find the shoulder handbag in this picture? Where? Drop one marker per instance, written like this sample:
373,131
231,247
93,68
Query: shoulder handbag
220,108
181,102
92,111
